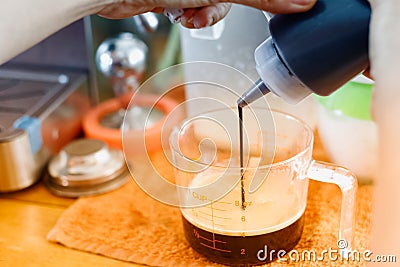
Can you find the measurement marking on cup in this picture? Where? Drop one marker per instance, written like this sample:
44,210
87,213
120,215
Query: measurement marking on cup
201,217
219,209
214,216
223,202
215,248
223,218
212,219
197,235
212,241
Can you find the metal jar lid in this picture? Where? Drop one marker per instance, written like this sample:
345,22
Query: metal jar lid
86,167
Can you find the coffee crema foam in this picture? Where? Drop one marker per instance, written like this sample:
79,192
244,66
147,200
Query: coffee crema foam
274,206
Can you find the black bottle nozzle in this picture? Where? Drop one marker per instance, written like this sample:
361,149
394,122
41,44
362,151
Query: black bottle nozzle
259,89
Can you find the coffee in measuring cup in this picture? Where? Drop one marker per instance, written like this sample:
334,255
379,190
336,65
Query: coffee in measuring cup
278,162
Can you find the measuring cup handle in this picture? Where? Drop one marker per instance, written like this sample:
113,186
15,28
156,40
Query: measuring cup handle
347,182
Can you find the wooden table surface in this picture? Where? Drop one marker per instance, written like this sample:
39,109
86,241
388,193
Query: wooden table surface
28,215
25,219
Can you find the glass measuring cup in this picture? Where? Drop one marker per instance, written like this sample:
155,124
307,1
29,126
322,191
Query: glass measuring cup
222,224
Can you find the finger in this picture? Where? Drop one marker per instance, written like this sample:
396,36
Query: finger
367,73
122,11
158,10
274,6
205,16
187,17
280,6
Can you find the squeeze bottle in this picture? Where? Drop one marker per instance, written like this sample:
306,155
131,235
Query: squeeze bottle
317,51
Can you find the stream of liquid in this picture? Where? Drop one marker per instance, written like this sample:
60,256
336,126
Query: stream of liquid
241,160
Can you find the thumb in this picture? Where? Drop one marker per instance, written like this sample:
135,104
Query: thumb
205,16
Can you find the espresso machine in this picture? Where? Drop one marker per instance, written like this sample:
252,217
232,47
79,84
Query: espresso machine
43,94
45,91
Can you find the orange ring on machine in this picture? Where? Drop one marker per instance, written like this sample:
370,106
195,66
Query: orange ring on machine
113,137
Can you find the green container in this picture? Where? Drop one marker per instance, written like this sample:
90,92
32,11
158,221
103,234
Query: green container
353,99
346,129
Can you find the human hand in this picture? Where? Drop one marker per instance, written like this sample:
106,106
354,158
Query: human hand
198,13
384,53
